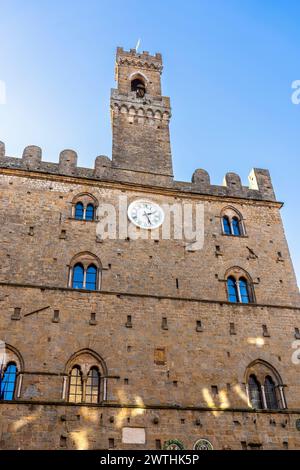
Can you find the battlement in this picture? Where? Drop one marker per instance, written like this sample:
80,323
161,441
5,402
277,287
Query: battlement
141,60
260,184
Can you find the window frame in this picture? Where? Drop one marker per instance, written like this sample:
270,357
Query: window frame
5,372
86,261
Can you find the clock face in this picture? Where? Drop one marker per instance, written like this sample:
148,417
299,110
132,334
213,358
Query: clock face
145,214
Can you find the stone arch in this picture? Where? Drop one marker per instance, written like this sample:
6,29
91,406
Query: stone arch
140,75
231,211
158,114
95,359
124,109
261,369
238,272
13,355
85,197
264,386
86,258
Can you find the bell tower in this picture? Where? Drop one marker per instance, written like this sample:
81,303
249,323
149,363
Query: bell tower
140,115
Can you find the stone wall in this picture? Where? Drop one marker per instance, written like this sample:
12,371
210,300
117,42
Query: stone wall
173,353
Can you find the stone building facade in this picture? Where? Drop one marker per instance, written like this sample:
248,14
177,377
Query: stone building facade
124,343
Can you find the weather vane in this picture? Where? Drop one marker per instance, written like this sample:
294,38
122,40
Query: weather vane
137,45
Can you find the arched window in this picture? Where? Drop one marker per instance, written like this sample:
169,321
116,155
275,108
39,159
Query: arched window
232,222
86,374
255,393
89,213
92,386
79,211
75,388
91,278
236,229
226,225
84,207
264,386
8,382
239,286
244,292
85,272
270,393
138,86
232,290
78,277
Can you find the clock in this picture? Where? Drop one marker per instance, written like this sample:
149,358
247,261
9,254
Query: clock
145,214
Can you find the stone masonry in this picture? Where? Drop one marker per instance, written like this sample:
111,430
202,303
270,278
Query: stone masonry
174,353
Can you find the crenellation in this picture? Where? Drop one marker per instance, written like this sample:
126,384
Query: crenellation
260,179
201,177
32,157
144,59
102,166
68,162
260,184
233,182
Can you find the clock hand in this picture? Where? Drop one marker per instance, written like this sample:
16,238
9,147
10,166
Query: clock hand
145,213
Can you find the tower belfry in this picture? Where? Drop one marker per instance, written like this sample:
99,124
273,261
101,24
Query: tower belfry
140,115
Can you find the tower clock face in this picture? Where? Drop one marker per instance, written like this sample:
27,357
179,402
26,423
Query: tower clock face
145,214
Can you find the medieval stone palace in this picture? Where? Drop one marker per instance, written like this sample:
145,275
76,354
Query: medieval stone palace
117,333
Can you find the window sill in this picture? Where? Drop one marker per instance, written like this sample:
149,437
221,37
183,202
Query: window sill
83,290
83,220
235,236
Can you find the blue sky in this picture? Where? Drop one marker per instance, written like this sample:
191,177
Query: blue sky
228,68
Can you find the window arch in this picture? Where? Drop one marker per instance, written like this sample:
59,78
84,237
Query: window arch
84,207
239,286
86,376
264,386
11,373
232,222
85,272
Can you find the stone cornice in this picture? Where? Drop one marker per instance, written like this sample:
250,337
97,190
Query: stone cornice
157,406
121,294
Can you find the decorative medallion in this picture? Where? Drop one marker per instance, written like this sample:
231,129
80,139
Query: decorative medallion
203,444
298,424
173,444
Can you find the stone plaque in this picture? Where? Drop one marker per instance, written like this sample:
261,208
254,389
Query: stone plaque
133,436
